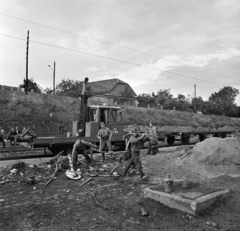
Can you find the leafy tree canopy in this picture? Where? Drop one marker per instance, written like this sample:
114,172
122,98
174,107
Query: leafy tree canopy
163,95
225,95
31,85
225,99
69,87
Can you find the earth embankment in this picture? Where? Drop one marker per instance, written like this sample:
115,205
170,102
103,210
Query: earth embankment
46,112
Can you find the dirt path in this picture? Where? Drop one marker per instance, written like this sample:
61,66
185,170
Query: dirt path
64,205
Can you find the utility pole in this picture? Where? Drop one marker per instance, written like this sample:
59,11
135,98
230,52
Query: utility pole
54,71
83,107
195,106
26,88
195,91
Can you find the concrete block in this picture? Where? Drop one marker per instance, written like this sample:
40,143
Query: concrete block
205,201
188,205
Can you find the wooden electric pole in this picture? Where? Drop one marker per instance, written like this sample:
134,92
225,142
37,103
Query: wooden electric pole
54,71
83,107
195,106
26,88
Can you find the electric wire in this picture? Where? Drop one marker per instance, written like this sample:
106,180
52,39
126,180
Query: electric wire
117,60
111,44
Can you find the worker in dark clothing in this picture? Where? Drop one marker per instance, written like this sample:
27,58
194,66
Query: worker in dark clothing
127,137
11,134
135,141
80,148
2,137
104,135
153,140
17,131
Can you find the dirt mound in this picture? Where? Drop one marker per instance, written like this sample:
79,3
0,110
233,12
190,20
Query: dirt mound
214,156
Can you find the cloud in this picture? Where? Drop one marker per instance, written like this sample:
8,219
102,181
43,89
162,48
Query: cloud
198,33
156,72
94,68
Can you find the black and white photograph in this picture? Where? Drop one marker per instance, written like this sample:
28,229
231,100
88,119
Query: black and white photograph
119,115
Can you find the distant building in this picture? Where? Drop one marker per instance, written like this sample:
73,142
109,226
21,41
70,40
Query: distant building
9,88
112,92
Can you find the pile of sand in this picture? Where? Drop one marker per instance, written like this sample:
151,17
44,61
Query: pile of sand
214,156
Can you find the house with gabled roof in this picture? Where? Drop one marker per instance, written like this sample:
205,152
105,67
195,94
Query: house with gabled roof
112,92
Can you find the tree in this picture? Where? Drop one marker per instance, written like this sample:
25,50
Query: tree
69,87
181,97
48,90
162,96
32,85
226,94
144,100
224,99
181,103
197,102
170,103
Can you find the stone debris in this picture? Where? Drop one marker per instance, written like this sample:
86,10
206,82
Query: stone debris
212,223
31,180
143,212
131,220
13,171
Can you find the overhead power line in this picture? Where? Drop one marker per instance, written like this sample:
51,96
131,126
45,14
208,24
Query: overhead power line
111,44
105,57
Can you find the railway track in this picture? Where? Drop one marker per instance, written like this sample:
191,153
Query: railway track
26,153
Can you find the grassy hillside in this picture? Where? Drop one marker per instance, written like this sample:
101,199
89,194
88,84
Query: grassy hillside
18,109
176,118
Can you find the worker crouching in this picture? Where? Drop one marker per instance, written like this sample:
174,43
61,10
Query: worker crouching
79,147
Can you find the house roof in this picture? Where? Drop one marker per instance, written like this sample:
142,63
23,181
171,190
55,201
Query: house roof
107,86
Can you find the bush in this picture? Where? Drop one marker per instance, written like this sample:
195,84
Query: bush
4,101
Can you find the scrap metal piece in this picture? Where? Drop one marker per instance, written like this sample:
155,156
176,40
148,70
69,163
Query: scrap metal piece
105,207
85,182
114,169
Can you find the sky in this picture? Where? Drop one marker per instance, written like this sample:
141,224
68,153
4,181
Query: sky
150,44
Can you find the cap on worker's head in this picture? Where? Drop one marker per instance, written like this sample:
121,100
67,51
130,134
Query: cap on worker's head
135,130
135,125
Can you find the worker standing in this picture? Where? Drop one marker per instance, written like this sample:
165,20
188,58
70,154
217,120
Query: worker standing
2,137
104,135
153,138
79,147
135,141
